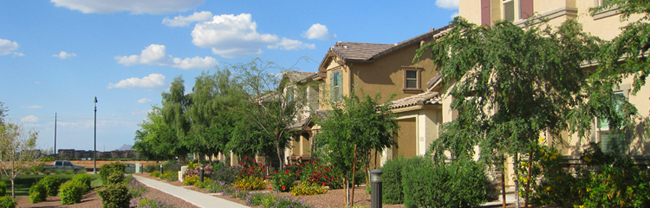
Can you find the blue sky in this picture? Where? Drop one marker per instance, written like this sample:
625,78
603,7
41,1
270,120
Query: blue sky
56,56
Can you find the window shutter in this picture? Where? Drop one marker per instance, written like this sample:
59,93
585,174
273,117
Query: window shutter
340,82
509,10
485,12
332,93
527,9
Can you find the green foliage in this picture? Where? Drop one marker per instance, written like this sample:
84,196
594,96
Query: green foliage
250,183
393,193
115,195
136,189
7,202
115,178
3,188
191,180
171,166
226,174
152,203
51,183
459,184
283,181
306,188
84,179
169,176
150,168
37,193
155,174
111,168
359,121
282,202
71,192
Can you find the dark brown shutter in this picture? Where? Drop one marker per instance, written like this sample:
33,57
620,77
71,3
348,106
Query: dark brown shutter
526,9
485,12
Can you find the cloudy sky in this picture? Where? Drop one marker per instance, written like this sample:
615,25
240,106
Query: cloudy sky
57,55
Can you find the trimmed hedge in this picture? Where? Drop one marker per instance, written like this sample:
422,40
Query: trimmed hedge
84,179
71,192
108,169
393,193
115,195
52,184
37,193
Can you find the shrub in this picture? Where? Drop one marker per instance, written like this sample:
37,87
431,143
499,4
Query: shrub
171,166
71,192
194,168
360,177
322,175
249,183
306,188
108,169
115,178
47,172
150,168
226,174
37,193
84,179
3,188
283,181
393,193
136,189
251,168
191,180
458,184
115,195
7,202
51,184
155,174
256,199
216,186
204,184
282,202
170,176
152,203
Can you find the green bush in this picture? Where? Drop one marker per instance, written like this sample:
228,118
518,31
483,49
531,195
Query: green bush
108,169
71,192
52,184
37,193
3,188
7,202
171,166
283,181
225,174
84,179
458,184
170,176
115,178
360,177
115,195
393,193
150,168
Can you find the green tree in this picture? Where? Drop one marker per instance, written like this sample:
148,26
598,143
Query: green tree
156,139
511,84
17,151
174,107
359,121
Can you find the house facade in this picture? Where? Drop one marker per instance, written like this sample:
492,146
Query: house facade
606,25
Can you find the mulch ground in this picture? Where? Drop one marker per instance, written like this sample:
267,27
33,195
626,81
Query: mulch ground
333,198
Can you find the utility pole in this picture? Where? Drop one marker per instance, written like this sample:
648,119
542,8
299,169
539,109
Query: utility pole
55,135
95,143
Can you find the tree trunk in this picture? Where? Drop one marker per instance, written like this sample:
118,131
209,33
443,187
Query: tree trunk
516,183
13,191
503,181
354,168
530,163
277,148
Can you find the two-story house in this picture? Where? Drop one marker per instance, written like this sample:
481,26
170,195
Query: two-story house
388,69
605,25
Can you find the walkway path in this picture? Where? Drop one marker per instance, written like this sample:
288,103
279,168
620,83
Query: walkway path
196,198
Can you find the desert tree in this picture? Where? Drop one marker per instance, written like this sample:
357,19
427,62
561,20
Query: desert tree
17,151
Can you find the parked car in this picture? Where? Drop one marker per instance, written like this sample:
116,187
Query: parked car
63,165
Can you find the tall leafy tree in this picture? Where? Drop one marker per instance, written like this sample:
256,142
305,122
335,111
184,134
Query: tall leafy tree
156,139
17,151
174,107
511,83
359,121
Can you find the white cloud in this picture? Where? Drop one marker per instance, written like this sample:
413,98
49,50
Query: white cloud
235,36
29,119
155,54
181,21
318,31
32,107
144,100
64,55
153,81
447,4
133,6
454,15
8,47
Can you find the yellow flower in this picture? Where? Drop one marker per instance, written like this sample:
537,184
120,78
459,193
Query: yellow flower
548,188
524,164
587,159
541,139
542,150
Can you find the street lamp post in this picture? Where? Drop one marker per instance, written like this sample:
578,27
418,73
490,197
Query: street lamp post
95,141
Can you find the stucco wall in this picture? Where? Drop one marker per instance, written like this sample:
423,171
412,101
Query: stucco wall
406,139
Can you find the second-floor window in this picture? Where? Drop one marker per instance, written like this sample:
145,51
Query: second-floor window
412,79
336,88
611,140
517,9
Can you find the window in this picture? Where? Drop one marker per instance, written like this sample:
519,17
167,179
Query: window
509,10
412,79
524,9
611,139
601,2
336,90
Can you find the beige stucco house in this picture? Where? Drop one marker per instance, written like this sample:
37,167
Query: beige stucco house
605,25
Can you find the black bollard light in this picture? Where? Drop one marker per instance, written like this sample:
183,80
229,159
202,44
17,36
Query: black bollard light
201,174
375,189
161,170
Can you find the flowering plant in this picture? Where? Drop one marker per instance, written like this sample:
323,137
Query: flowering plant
249,183
194,168
306,188
315,173
251,168
283,181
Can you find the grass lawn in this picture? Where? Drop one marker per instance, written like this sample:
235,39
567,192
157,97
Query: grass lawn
23,182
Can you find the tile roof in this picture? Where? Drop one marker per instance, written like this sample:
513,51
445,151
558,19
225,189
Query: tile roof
425,98
352,51
297,76
433,80
305,121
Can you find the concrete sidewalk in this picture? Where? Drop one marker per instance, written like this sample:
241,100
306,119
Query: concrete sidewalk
196,198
